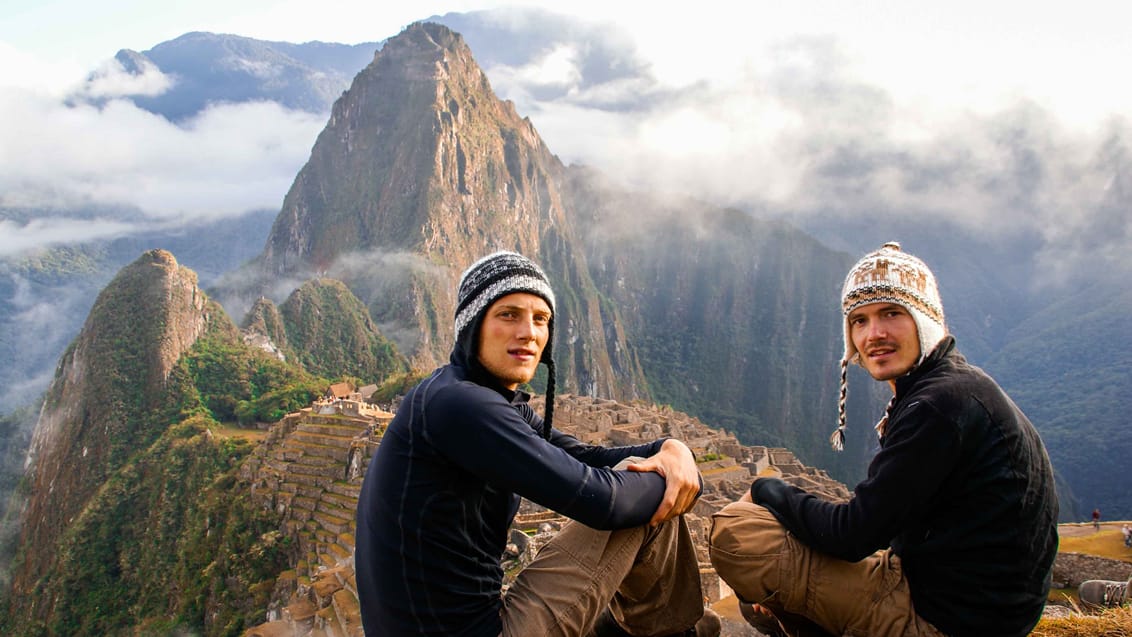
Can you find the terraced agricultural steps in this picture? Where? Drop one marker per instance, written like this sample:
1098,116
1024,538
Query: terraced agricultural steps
310,473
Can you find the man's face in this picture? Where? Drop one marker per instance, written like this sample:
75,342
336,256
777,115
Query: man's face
512,336
885,336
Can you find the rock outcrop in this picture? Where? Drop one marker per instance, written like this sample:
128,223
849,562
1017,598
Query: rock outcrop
327,330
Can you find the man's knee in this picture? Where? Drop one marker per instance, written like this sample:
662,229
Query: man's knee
746,546
744,528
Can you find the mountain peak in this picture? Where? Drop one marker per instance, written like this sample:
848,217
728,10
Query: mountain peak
109,395
333,334
426,35
418,140
420,157
208,69
133,62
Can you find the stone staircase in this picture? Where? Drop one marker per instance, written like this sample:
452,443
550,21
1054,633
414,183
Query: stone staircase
310,473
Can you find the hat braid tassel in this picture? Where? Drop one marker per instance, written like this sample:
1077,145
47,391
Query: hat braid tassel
837,440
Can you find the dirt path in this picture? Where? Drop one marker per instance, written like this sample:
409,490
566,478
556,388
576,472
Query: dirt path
1079,529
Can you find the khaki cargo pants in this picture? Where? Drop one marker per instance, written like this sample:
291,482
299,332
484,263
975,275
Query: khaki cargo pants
648,576
810,592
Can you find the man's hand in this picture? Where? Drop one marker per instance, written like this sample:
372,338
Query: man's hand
676,464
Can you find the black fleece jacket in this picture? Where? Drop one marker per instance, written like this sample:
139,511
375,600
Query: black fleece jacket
444,486
961,489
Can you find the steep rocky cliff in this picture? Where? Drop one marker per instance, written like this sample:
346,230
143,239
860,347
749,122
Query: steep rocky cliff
734,319
108,398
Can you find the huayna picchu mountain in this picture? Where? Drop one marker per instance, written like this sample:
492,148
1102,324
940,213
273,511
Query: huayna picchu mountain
420,170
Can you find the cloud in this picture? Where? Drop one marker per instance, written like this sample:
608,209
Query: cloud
533,55
797,126
800,132
230,159
32,73
40,318
111,79
16,237
556,69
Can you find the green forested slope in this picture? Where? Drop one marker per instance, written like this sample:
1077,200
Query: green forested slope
333,335
1070,370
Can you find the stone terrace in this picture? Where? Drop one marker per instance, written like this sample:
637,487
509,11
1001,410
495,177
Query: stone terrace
309,471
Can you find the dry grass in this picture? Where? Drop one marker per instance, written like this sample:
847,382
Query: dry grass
251,435
1112,622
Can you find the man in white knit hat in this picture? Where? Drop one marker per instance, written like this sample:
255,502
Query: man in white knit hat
954,530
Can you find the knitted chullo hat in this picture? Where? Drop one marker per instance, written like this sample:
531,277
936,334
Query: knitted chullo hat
495,276
888,276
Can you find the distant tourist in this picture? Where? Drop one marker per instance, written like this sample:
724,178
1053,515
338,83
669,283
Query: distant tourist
444,485
1127,532
954,530
1097,519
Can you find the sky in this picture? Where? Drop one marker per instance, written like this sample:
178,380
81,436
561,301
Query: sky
960,52
762,101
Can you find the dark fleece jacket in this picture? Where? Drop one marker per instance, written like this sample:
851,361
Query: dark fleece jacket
962,490
444,486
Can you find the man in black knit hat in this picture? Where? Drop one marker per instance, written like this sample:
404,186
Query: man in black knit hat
444,485
954,530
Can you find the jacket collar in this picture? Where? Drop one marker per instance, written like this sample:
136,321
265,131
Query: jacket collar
930,362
